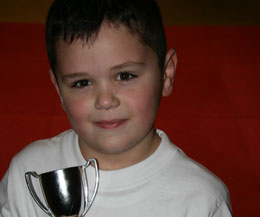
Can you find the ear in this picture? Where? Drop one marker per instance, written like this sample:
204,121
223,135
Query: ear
169,72
55,83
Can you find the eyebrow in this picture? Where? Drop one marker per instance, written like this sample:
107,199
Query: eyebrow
73,75
128,64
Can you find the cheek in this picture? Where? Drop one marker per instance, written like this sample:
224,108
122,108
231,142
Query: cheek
76,110
144,104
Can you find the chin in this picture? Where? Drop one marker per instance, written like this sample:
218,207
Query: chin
113,150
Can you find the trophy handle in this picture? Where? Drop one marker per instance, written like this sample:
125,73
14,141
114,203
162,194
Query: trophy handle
34,194
88,203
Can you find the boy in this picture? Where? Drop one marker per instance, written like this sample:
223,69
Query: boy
110,68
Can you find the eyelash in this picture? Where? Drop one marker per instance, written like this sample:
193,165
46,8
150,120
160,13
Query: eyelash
127,76
122,76
81,83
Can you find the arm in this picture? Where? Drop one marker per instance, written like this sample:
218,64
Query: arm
15,200
223,210
4,205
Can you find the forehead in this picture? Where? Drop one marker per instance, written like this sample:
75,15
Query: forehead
113,45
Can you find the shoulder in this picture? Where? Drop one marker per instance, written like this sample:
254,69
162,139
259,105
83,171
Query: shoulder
198,178
188,172
39,154
197,186
194,184
44,146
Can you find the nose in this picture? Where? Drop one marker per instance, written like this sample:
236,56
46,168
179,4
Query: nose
106,99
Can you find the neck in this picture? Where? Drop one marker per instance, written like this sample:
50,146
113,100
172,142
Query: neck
138,153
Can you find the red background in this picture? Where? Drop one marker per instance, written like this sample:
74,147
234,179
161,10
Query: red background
213,113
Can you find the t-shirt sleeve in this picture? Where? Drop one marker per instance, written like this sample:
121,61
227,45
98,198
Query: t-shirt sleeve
223,210
13,192
4,205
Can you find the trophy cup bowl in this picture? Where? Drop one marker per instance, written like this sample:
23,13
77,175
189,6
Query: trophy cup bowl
65,191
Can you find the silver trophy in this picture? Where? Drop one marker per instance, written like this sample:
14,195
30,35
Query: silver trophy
65,191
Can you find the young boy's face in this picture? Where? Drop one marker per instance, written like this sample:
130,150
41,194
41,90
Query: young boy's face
110,90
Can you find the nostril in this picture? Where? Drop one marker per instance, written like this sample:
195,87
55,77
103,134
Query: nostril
106,101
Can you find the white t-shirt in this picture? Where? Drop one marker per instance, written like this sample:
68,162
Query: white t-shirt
167,183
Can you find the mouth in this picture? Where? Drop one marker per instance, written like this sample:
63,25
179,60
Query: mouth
111,124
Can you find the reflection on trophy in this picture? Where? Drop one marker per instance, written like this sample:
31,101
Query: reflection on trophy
65,191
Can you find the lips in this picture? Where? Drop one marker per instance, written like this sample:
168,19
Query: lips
111,124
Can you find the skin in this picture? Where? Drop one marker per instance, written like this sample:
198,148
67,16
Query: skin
111,90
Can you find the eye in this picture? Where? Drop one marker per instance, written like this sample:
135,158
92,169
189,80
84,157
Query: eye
81,83
125,76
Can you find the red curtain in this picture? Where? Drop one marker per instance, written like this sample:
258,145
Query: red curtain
213,113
